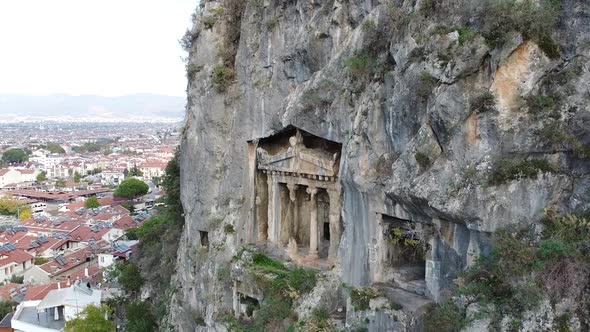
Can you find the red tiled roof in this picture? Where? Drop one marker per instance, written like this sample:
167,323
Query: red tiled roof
153,164
47,226
5,237
103,216
124,223
51,244
106,201
25,242
60,195
74,259
93,271
85,234
5,291
17,256
37,293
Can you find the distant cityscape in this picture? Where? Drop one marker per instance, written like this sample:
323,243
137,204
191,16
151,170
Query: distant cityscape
62,224
82,156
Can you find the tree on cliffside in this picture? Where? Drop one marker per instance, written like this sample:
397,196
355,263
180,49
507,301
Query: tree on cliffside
158,246
131,188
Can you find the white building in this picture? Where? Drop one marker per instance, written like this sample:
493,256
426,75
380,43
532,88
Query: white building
14,263
9,176
58,307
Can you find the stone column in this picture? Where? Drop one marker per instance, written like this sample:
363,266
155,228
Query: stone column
262,226
293,197
236,300
335,231
313,224
273,194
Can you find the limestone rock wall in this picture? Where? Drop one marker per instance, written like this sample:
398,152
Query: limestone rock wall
290,70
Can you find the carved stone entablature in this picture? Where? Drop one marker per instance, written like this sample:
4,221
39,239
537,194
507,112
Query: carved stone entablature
298,160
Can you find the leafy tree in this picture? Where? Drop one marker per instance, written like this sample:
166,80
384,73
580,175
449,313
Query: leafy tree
96,171
131,188
92,203
131,234
152,227
17,279
6,307
8,206
25,214
159,241
42,176
130,278
91,319
77,177
135,171
128,206
157,181
60,183
171,183
91,147
54,148
139,318
15,156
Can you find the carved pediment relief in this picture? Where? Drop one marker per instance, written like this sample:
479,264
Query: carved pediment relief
297,158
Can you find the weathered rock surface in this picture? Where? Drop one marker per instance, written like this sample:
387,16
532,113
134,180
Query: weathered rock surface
290,70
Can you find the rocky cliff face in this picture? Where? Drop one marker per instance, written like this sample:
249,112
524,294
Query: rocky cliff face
451,114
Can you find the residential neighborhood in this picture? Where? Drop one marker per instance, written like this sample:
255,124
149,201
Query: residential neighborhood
64,225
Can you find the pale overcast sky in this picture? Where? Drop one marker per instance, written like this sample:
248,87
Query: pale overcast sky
102,47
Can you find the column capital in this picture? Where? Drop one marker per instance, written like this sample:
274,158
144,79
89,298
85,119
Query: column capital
312,191
292,191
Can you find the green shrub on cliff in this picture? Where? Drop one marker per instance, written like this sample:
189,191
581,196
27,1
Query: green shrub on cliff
445,317
281,287
534,20
360,65
426,84
507,170
222,78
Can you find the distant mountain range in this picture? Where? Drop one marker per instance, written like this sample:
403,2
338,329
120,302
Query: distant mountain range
136,108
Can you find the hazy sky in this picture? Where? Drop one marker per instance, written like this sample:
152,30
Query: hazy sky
103,47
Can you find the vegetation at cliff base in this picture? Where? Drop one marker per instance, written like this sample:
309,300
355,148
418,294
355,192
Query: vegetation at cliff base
281,287
91,319
155,260
523,269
